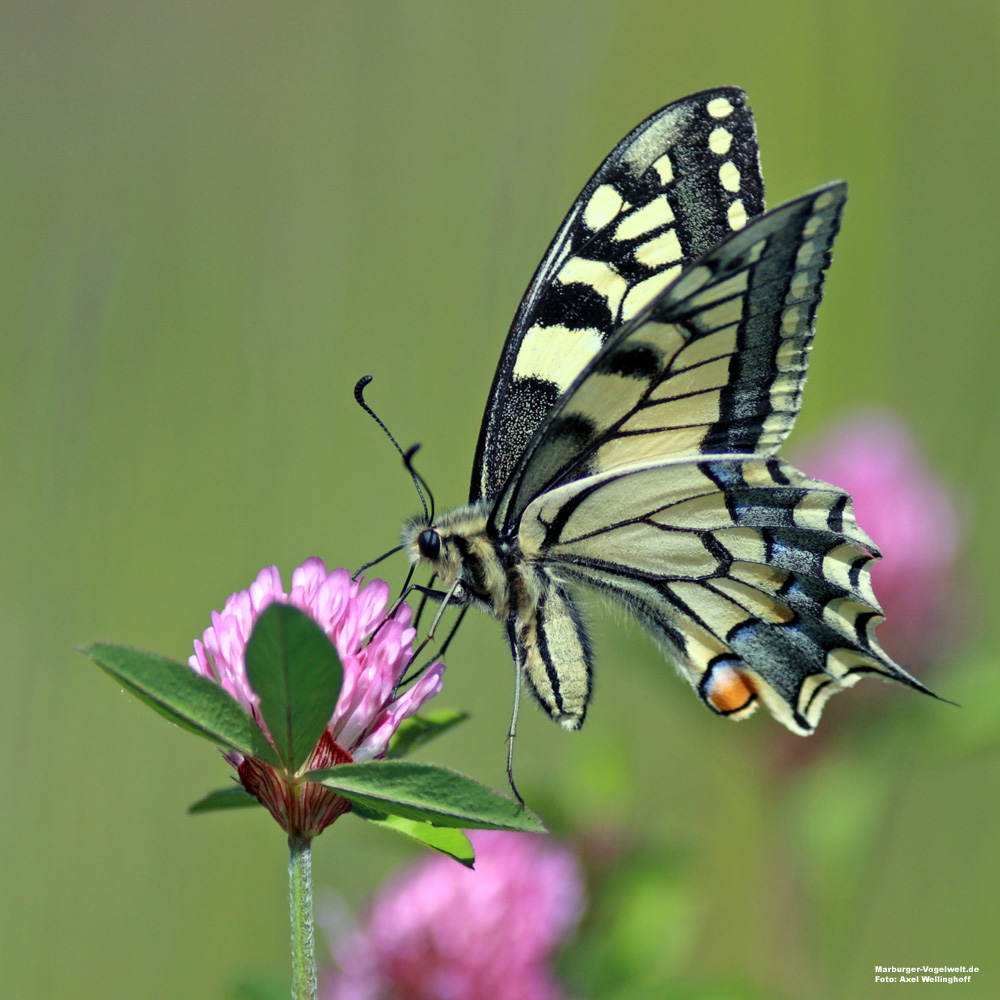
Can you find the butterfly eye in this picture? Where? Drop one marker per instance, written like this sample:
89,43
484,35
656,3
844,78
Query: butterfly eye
429,544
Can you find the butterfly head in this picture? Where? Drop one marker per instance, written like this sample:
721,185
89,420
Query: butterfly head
444,542
456,546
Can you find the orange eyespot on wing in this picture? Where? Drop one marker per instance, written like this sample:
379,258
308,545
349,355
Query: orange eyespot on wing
730,691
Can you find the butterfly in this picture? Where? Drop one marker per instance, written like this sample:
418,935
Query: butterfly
628,445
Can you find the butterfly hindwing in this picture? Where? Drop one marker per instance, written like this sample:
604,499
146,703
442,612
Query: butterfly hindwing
652,481
754,576
677,185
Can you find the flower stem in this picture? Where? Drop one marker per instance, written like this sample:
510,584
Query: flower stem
300,903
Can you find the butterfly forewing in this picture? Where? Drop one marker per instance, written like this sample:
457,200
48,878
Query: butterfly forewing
714,365
680,182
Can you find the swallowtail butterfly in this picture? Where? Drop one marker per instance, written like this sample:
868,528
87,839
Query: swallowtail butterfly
653,368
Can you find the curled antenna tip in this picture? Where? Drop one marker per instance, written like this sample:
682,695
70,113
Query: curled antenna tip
359,388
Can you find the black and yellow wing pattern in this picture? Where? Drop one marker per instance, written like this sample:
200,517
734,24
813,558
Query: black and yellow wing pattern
655,366
677,184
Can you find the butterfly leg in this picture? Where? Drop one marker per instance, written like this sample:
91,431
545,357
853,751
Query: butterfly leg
512,732
423,601
445,597
409,678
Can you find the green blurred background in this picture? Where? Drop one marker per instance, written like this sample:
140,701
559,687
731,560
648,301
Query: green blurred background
215,218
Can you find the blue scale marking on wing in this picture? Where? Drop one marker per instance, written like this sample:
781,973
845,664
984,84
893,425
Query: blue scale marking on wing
785,653
788,650
792,656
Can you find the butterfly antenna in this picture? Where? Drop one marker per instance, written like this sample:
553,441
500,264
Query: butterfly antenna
375,562
359,395
408,460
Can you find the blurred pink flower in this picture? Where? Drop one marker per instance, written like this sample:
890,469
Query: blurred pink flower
374,651
443,932
909,515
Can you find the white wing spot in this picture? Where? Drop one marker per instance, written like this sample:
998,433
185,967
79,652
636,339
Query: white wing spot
605,203
719,108
657,213
776,426
729,176
805,254
643,292
784,390
664,168
660,250
719,141
556,353
791,354
737,214
823,201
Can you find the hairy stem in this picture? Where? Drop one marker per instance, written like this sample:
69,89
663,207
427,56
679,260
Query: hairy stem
300,903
